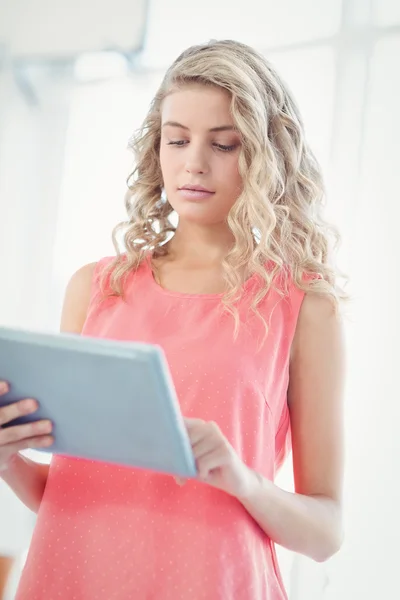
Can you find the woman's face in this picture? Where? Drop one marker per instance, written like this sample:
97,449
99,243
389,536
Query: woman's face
200,150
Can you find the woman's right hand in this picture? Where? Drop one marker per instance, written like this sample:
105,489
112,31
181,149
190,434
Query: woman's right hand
20,437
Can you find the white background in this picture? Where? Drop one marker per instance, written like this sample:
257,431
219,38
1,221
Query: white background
63,165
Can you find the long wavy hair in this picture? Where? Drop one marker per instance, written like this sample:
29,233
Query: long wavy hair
276,220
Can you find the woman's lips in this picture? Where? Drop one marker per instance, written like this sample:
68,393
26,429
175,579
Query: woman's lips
195,194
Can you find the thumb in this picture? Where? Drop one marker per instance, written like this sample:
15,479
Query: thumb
180,480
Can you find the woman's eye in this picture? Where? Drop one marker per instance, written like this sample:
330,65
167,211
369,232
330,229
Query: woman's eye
225,148
221,147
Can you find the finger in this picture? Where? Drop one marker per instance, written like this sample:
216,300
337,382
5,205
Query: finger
16,433
193,423
208,431
213,460
13,449
180,480
201,429
196,432
197,435
4,387
40,441
17,409
205,446
43,441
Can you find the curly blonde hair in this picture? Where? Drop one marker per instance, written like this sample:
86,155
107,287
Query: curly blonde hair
277,217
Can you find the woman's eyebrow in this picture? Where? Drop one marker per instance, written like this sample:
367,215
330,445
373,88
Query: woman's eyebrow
213,129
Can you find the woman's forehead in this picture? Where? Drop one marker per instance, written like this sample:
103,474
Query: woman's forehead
199,105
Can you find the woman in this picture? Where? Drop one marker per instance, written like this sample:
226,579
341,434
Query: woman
243,299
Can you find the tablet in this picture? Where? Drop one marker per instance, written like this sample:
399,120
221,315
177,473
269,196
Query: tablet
112,401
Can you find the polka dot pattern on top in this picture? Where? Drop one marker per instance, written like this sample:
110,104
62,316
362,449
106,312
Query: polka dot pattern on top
106,532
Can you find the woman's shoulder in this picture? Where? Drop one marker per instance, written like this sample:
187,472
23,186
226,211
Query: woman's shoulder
82,282
77,298
82,278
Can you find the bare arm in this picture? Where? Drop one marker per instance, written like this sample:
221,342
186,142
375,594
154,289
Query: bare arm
26,477
309,520
6,564
76,301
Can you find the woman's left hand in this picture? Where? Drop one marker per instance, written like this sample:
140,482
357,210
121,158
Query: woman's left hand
217,462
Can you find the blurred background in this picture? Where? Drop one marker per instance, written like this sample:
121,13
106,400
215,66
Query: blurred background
76,79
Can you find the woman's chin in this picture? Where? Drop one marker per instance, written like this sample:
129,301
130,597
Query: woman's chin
197,214
205,219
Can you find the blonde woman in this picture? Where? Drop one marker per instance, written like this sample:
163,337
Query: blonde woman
243,298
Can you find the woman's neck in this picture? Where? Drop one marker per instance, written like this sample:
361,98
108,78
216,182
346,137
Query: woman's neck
201,244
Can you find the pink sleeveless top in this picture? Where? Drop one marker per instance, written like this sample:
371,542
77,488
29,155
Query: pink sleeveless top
112,533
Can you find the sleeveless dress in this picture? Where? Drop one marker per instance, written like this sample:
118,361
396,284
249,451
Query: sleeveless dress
106,532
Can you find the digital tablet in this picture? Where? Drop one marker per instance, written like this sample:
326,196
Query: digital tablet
112,401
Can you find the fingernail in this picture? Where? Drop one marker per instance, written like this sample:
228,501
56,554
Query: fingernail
29,404
3,387
45,427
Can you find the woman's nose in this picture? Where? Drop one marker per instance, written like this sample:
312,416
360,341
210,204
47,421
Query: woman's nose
196,161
